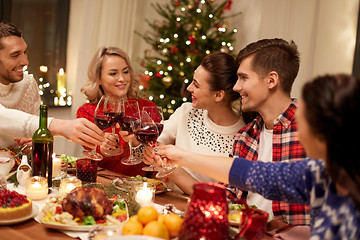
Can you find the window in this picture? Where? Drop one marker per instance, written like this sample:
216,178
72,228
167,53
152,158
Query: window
45,25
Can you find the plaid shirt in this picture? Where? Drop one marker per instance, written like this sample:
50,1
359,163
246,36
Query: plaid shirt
286,147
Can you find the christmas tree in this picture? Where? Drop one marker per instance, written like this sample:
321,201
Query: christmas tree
190,30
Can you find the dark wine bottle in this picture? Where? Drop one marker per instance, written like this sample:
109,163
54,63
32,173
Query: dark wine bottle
42,148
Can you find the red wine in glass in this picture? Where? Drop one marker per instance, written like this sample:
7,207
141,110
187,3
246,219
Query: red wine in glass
125,123
146,136
104,122
160,127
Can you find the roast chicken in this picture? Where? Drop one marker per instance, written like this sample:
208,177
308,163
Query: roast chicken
87,201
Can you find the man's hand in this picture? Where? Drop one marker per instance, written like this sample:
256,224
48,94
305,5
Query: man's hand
79,130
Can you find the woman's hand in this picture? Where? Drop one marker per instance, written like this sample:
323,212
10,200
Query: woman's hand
129,138
169,155
150,157
110,147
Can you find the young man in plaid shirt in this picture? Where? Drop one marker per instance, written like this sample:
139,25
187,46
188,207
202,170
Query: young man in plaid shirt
267,70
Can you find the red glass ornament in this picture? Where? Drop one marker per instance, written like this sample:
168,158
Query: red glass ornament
207,214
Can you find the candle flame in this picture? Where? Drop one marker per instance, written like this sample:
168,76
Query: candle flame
61,71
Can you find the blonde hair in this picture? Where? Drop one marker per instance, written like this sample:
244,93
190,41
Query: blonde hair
92,89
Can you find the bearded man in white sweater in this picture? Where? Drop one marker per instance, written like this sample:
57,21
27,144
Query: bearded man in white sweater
20,100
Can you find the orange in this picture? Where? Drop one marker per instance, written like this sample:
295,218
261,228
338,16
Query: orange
173,224
147,214
161,218
132,228
133,218
156,229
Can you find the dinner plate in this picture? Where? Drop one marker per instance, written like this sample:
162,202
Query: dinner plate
21,219
133,237
78,228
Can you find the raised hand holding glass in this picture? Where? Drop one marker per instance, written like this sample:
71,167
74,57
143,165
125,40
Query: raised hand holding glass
131,116
156,114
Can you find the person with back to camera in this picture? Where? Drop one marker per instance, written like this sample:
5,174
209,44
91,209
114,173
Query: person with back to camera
329,181
207,125
20,99
110,73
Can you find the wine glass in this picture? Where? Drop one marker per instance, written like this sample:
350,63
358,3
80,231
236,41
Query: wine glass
103,121
145,131
113,108
131,116
156,114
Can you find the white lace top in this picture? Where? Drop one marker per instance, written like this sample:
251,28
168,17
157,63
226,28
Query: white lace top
192,130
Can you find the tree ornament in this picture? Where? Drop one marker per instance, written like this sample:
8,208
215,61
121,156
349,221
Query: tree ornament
174,49
167,81
147,53
190,6
228,5
192,39
158,75
176,3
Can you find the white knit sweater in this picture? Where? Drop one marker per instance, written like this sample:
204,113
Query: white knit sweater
17,102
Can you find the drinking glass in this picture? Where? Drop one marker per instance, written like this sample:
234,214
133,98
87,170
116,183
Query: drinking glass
131,116
156,114
104,121
114,109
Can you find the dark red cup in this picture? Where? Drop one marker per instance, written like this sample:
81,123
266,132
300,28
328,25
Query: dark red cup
257,228
86,170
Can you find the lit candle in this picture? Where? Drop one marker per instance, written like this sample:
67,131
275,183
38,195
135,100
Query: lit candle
36,188
61,82
56,170
145,195
68,184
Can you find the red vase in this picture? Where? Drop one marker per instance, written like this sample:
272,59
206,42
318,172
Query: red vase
207,214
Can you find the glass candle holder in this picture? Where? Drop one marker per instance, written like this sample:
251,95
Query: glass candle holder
86,170
56,166
207,214
36,188
68,184
145,193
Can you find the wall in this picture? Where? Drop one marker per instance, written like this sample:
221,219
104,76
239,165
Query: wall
324,30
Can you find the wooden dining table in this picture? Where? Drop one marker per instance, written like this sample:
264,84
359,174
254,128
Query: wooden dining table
32,229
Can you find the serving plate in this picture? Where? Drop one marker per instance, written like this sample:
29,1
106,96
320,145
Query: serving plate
78,228
23,218
133,237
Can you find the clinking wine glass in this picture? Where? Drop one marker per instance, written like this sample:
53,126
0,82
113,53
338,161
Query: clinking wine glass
156,114
114,109
131,116
103,121
145,131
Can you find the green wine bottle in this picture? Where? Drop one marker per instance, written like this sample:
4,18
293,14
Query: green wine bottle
42,148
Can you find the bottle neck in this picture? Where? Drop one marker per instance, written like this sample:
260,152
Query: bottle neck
43,117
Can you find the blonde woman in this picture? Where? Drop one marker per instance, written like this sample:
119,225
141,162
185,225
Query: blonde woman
110,73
